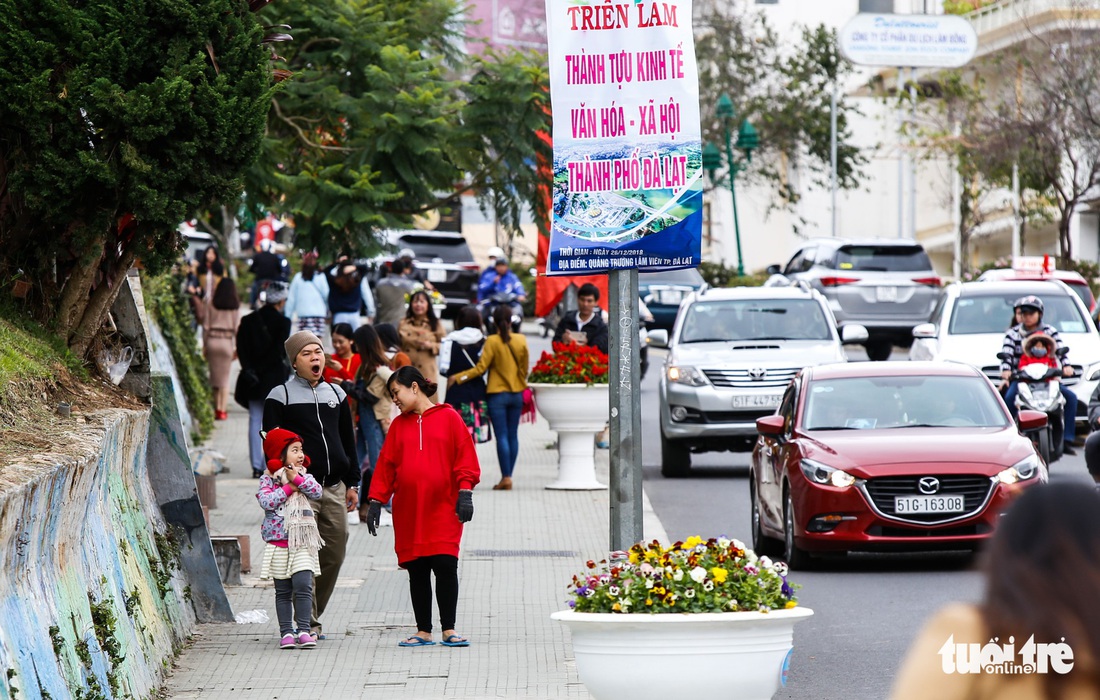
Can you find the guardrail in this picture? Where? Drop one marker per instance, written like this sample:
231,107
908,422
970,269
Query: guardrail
1002,14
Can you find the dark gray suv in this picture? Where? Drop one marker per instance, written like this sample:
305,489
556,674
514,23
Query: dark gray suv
887,286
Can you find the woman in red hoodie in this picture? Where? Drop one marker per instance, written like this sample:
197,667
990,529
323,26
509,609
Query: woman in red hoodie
429,466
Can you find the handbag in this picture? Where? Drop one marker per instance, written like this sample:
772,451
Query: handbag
247,383
476,416
527,413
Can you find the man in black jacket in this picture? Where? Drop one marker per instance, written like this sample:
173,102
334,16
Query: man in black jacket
585,325
319,412
260,338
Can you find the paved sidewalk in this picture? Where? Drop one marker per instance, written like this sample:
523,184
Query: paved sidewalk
518,554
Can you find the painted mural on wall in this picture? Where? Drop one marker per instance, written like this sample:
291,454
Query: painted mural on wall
91,601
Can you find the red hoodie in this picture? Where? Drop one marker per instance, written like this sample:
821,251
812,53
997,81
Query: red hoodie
424,462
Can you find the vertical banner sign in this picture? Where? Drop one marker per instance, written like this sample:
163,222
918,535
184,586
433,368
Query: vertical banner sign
627,143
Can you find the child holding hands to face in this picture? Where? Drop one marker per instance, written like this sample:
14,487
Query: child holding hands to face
290,530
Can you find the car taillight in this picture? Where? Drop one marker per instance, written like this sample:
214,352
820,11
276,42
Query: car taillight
837,281
930,281
470,266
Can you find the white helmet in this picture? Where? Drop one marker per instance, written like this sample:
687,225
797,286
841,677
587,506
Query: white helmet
496,252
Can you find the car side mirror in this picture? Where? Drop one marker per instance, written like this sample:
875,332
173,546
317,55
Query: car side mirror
774,425
852,333
773,269
1004,356
924,330
658,338
1062,351
1029,420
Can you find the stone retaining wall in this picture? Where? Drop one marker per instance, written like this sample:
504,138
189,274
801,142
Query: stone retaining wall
92,600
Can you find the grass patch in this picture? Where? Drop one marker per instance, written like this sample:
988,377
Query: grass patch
28,351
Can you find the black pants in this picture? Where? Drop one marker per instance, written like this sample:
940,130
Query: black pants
1092,454
420,571
294,602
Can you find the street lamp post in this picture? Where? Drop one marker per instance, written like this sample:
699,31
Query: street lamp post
747,141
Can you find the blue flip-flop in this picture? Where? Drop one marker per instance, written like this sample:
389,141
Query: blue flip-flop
455,640
415,641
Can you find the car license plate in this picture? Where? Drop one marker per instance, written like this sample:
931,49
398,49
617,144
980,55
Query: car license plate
928,504
886,293
670,297
757,401
437,275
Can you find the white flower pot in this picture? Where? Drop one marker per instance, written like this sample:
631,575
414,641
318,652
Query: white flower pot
577,412
743,655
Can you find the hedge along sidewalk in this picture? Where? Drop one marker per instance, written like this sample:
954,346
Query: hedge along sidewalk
518,555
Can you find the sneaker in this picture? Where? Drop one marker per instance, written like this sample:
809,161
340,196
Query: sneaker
353,518
306,641
288,642
385,519
1067,448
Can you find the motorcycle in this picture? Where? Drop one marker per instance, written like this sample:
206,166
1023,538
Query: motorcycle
488,306
1038,389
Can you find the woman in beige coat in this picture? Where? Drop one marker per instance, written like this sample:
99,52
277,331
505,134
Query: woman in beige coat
421,333
219,341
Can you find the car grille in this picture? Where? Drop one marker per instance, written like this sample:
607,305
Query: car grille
736,416
975,490
742,379
972,530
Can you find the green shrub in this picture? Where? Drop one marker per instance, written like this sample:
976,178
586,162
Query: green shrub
718,275
171,309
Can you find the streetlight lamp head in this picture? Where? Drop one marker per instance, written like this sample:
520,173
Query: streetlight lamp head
747,139
725,109
712,158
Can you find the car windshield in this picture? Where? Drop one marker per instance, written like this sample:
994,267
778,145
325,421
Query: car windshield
873,403
755,319
882,258
688,276
428,248
992,313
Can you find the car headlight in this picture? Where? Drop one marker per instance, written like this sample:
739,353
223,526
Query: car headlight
1092,373
823,474
686,375
1028,468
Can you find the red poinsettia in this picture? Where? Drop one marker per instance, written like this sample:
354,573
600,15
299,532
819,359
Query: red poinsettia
570,364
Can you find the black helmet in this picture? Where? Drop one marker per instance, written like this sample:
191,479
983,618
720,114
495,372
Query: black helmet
1029,302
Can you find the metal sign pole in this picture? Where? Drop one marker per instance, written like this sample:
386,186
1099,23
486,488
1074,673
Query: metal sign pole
626,418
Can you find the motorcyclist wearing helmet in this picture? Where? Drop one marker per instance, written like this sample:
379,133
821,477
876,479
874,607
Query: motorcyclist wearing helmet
412,272
1029,321
489,273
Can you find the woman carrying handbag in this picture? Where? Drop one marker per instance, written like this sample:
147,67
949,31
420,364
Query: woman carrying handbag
505,357
460,351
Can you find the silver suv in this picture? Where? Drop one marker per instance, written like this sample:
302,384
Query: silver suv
731,355
887,286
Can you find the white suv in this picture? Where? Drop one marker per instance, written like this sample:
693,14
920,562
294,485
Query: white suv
731,355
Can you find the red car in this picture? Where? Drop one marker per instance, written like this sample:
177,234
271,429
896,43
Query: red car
887,456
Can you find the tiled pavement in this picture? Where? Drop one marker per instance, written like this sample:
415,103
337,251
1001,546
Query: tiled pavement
518,553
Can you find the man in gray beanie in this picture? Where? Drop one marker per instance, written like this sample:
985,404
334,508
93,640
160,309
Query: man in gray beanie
319,411
260,337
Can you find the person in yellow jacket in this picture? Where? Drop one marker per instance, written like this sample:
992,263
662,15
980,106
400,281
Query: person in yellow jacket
505,357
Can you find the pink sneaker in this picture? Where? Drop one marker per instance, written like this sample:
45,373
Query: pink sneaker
306,641
287,642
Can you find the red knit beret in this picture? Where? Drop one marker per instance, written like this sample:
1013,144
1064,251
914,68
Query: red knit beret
275,443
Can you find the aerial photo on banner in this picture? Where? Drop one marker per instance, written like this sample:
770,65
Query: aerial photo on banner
627,142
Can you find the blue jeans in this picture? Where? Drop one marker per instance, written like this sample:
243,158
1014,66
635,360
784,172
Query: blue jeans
1069,412
371,436
504,411
255,442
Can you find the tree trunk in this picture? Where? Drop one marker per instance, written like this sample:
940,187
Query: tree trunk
1065,245
74,293
80,340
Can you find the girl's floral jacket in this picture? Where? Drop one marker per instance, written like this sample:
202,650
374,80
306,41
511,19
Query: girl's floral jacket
272,498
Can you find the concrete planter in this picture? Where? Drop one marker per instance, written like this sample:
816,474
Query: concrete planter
577,412
743,655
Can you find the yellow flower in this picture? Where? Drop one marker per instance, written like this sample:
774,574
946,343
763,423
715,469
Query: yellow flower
634,558
719,574
617,608
692,542
791,604
649,601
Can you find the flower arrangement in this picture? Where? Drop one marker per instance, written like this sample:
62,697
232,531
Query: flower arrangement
434,296
693,576
570,364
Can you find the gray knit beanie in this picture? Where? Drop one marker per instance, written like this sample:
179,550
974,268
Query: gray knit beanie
295,343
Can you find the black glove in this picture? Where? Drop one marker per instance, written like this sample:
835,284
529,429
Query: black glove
374,514
464,509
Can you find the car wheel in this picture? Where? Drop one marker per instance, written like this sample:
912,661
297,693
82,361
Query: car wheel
675,459
796,558
761,543
879,350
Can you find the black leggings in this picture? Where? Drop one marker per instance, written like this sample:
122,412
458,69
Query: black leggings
294,602
420,571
